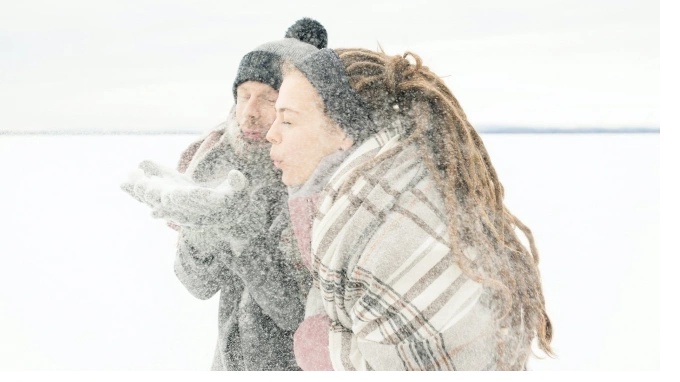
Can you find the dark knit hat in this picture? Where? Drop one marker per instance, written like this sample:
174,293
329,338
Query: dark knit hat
264,63
325,71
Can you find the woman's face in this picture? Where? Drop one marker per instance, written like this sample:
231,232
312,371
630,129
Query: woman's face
302,135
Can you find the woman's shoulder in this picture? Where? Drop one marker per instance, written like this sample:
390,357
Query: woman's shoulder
407,178
406,205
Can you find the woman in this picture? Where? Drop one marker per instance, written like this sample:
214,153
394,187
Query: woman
399,216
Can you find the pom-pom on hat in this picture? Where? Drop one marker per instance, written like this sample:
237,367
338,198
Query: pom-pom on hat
263,64
309,31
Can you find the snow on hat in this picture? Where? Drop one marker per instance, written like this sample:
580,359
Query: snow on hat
325,71
263,64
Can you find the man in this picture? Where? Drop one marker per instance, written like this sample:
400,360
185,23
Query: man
237,239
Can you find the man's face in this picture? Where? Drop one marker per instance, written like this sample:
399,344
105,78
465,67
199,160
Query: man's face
255,111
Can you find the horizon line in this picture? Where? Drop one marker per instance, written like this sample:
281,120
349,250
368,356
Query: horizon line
481,130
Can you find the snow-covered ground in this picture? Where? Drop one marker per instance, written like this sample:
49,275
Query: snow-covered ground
87,280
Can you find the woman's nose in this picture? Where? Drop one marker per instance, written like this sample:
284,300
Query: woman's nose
273,133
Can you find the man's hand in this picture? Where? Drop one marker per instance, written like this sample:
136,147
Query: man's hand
176,198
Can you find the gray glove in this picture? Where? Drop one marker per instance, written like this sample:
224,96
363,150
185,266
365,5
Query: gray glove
176,198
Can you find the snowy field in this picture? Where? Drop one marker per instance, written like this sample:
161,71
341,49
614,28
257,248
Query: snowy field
87,278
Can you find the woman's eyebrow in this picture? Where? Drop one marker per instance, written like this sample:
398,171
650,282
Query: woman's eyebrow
282,109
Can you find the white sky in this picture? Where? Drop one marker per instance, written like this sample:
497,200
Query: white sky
169,65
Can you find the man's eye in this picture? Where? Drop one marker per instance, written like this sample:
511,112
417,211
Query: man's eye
285,123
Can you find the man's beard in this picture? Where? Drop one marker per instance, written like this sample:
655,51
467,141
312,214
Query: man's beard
250,151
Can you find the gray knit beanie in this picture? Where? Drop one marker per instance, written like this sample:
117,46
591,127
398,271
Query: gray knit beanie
324,69
263,64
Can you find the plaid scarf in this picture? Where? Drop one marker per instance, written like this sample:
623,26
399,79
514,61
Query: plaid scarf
395,297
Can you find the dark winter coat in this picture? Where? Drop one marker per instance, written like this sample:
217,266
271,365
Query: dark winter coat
261,280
